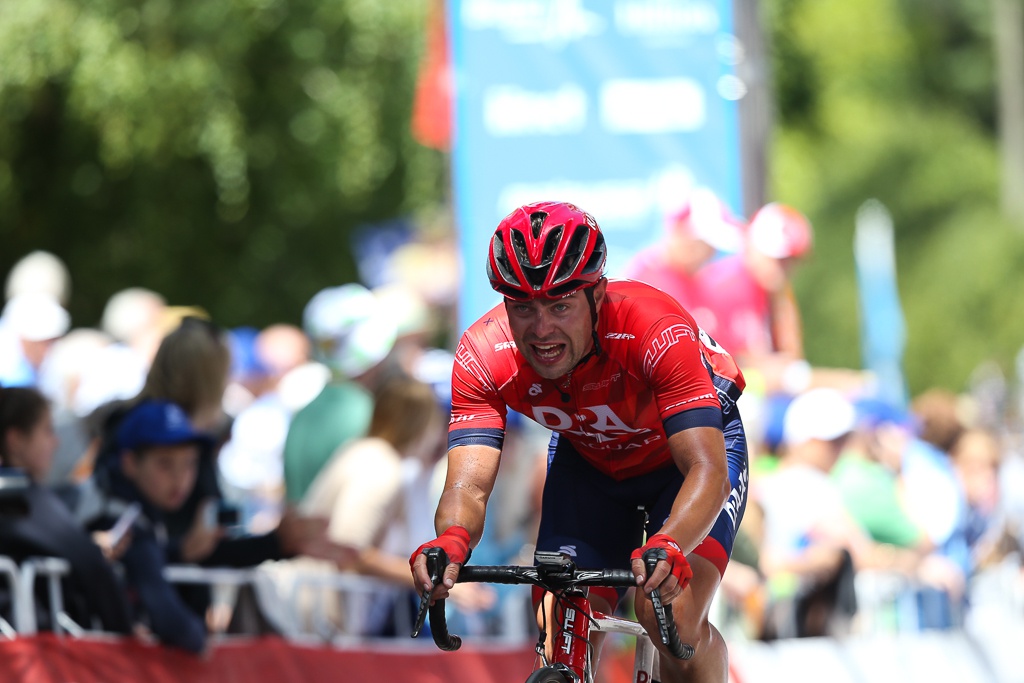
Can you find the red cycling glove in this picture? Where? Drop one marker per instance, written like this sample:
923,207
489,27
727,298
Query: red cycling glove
454,542
668,550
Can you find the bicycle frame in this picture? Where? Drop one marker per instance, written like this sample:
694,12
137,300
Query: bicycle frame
644,660
572,648
571,645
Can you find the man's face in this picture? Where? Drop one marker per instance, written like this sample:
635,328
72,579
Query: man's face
554,334
164,474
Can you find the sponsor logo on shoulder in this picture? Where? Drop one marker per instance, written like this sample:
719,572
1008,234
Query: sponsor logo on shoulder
535,390
504,346
668,338
619,335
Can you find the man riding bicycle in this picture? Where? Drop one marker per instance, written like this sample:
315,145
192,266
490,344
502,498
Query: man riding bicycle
646,434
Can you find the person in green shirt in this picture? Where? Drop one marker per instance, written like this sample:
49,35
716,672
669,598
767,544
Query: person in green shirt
353,337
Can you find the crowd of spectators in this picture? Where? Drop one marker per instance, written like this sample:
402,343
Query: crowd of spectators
157,437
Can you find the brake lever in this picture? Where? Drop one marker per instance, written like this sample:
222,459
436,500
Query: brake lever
437,560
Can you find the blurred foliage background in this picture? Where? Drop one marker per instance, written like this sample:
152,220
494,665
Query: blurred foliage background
895,100
222,153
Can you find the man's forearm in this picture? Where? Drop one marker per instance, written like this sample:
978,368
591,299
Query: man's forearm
462,507
697,506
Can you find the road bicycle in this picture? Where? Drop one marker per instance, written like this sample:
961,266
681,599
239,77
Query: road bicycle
573,658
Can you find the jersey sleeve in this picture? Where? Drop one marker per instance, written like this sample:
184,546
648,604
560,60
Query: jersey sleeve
478,412
672,363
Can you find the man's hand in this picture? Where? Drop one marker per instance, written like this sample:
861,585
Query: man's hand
307,535
672,573
112,551
455,543
201,539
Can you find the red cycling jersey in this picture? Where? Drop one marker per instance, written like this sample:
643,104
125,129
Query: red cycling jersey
656,374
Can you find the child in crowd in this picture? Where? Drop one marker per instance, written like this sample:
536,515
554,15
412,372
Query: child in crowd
45,527
156,470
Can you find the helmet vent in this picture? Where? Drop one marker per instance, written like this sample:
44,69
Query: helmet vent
595,263
537,223
573,254
501,260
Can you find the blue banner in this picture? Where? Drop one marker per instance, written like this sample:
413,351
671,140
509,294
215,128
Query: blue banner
620,106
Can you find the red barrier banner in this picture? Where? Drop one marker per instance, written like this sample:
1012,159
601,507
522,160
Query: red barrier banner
48,659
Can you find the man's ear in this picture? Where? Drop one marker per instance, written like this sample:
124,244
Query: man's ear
599,291
129,464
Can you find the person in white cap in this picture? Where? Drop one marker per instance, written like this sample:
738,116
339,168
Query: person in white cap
29,325
809,538
352,336
39,272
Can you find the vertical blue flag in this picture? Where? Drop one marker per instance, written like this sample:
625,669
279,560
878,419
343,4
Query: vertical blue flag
883,334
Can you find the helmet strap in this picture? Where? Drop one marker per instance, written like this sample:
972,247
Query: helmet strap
596,348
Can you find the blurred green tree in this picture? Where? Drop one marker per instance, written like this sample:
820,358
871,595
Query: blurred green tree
221,153
895,100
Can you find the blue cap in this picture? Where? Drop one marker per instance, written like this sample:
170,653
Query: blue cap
157,423
874,412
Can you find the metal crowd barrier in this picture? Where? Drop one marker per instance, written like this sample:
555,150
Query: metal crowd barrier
21,580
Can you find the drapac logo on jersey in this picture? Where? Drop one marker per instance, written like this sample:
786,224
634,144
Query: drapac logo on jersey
660,345
599,425
535,390
604,419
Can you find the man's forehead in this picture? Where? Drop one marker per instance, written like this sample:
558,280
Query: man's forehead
545,302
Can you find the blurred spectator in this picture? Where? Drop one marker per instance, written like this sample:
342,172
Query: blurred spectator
47,529
251,462
72,357
977,458
156,468
745,301
352,336
868,475
693,235
363,486
931,491
413,325
29,325
810,540
872,480
39,272
190,369
938,415
133,319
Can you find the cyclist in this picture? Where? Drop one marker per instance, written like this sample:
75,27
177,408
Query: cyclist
642,404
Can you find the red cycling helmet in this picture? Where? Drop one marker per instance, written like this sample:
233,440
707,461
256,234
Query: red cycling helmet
547,249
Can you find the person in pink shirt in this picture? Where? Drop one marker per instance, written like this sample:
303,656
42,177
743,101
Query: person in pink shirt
745,301
694,234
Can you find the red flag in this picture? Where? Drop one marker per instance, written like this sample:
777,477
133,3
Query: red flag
431,111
